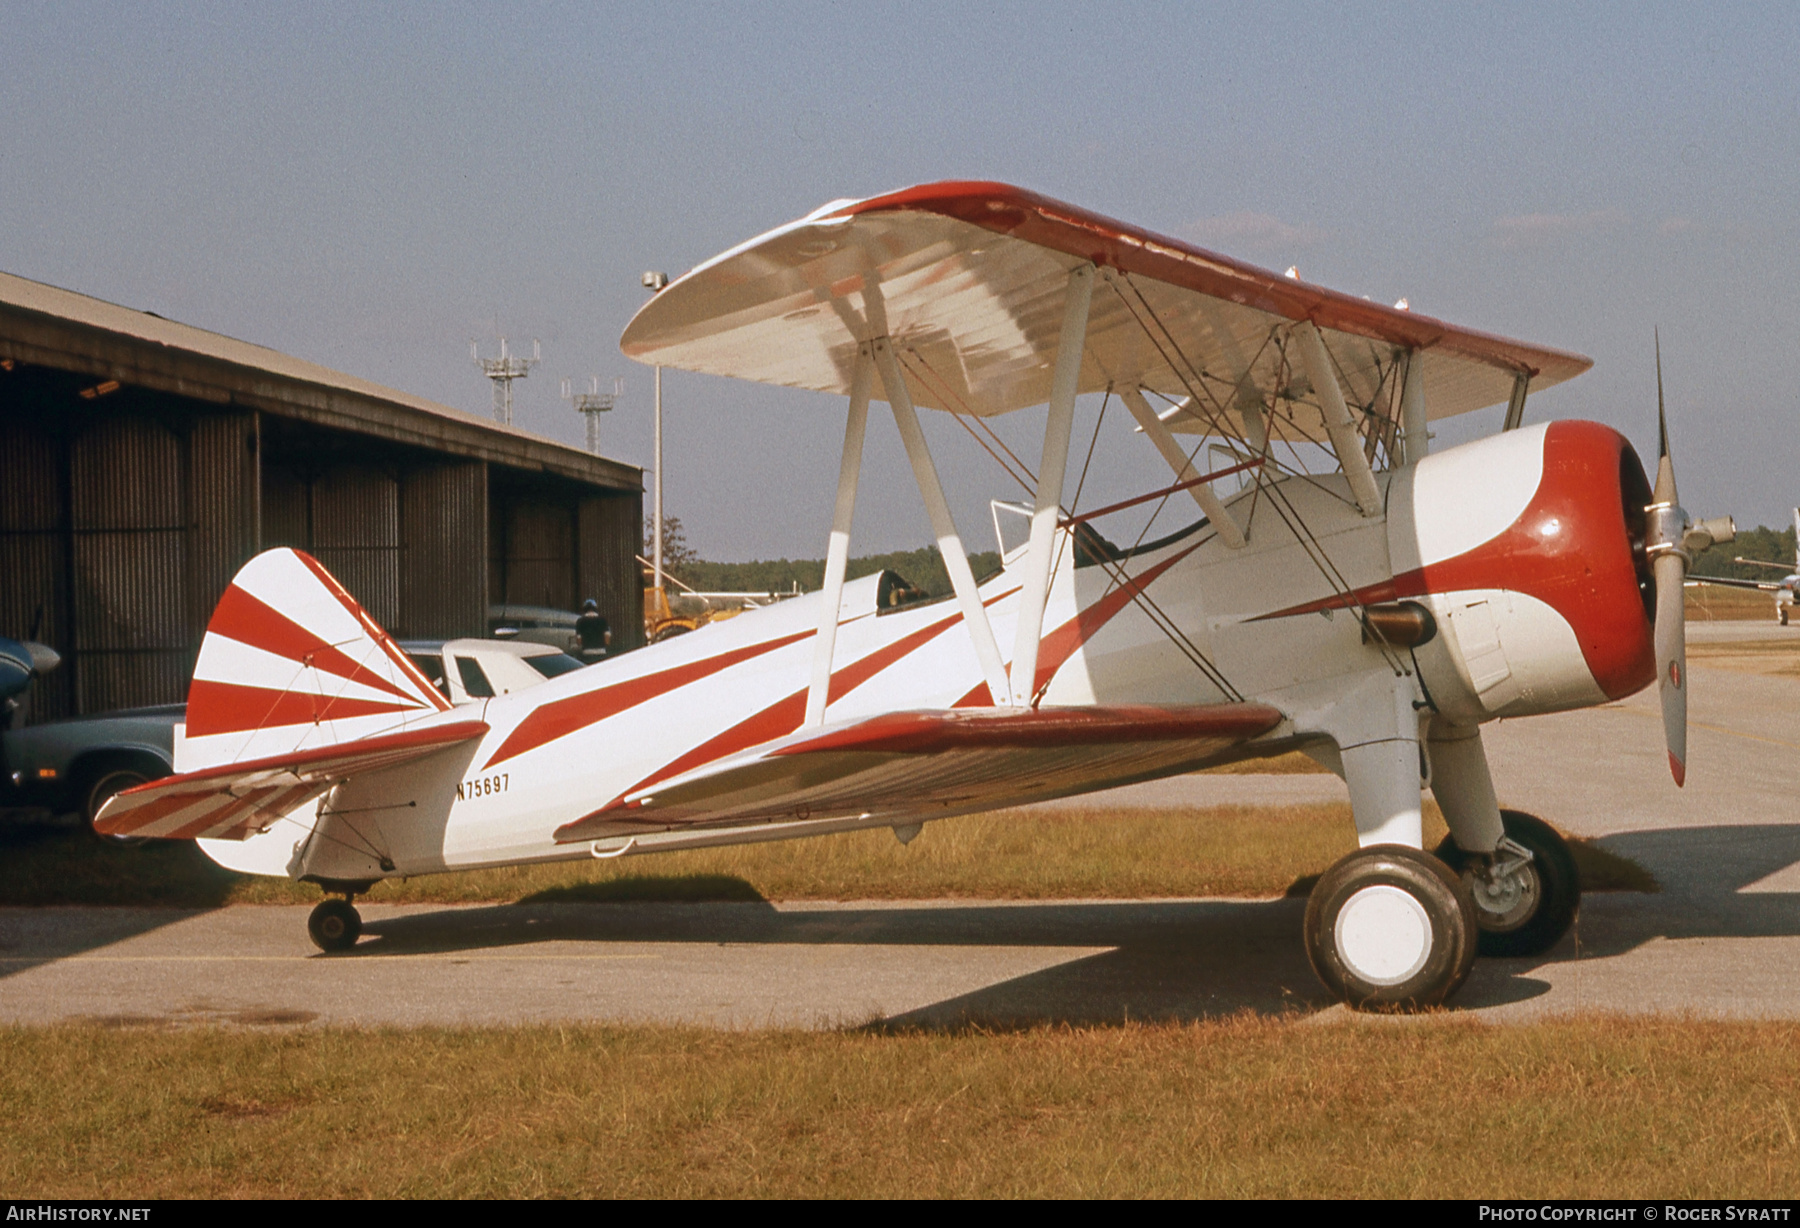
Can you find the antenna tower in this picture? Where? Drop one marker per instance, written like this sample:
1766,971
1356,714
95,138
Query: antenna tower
503,371
592,404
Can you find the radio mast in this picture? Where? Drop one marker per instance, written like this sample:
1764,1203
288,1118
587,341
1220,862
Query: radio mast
591,404
503,371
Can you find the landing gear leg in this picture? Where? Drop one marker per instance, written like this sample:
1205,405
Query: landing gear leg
1526,892
1390,928
335,925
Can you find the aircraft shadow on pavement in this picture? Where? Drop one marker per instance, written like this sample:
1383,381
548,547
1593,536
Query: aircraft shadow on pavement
1174,959
1703,872
108,892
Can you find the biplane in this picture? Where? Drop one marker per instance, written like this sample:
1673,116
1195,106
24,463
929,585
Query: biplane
1337,589
1782,590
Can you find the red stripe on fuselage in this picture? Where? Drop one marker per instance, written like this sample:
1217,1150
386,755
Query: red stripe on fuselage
562,717
1062,643
1570,549
782,717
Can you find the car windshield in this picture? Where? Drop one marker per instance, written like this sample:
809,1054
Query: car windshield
553,663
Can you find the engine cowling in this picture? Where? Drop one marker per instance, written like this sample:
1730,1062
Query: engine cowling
1528,547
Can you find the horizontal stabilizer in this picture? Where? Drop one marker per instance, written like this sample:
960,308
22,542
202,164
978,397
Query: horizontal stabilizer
235,801
930,763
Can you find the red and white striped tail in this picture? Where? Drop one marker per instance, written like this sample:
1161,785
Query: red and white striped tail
291,662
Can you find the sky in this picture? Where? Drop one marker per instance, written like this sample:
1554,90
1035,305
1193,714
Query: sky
374,187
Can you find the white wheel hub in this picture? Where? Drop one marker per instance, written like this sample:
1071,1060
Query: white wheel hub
1383,935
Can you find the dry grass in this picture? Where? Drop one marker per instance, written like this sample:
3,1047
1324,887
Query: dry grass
1115,853
1294,763
1711,603
1433,1108
1780,658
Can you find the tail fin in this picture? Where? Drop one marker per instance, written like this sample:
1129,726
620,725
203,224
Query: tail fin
1797,539
291,662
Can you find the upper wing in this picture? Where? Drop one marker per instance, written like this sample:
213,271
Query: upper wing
237,800
969,279
932,763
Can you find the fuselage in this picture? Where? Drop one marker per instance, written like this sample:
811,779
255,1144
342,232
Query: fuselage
1521,546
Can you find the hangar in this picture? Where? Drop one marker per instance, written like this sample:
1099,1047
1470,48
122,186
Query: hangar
142,461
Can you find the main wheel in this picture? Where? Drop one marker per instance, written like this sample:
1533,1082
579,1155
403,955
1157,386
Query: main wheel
1390,928
335,925
1528,911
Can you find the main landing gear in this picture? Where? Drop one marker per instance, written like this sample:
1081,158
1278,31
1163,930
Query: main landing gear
1391,928
335,925
1526,892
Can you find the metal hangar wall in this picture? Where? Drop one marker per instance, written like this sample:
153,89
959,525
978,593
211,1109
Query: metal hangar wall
143,461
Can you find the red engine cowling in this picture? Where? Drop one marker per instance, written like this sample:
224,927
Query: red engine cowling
1529,548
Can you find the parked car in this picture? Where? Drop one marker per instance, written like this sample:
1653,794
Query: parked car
467,670
77,764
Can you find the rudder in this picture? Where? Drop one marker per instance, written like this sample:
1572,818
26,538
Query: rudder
290,662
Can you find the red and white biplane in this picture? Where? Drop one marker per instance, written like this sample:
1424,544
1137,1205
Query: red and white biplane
1372,610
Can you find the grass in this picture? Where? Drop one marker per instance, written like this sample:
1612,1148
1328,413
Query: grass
1712,603
1780,658
1294,763
1246,851
1247,1107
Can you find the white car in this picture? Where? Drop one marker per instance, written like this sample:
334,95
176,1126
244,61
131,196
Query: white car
468,670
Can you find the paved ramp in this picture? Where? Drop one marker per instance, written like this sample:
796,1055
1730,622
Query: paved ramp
1723,937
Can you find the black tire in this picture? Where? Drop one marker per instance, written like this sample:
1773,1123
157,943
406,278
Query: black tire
1537,917
99,788
1390,928
334,925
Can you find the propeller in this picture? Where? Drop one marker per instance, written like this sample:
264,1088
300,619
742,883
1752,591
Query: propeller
1671,540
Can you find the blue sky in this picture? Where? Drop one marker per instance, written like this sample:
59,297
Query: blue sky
372,188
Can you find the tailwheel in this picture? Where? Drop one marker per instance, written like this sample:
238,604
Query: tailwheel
1390,928
1526,892
335,925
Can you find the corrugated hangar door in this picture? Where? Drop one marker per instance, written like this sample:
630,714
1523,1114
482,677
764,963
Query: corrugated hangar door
129,603
533,551
34,558
356,535
443,579
611,532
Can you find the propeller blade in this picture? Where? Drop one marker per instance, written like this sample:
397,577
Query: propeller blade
1670,569
1671,659
1665,464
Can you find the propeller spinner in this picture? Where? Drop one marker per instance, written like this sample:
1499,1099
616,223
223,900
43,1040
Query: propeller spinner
1671,540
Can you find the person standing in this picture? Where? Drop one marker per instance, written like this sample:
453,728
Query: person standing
593,631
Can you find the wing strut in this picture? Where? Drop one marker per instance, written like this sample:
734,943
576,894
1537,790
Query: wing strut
1415,439
1344,439
956,562
1515,408
1230,532
837,556
1070,345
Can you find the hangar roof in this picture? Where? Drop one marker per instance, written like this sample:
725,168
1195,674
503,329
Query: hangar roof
47,326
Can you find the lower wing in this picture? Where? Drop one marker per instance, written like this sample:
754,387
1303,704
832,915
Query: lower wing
235,801
930,763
